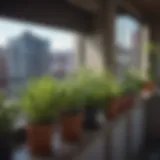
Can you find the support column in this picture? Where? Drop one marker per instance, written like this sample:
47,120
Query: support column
80,50
107,18
108,15
144,51
154,56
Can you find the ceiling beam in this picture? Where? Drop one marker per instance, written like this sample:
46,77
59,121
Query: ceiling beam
58,13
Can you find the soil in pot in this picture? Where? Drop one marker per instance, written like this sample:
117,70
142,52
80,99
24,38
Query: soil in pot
90,118
39,138
5,146
72,126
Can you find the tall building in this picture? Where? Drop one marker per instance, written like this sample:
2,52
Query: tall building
28,56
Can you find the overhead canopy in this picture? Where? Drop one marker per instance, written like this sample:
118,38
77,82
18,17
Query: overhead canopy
59,13
148,9
73,14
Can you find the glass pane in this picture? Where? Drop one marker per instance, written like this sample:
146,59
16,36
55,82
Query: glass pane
127,43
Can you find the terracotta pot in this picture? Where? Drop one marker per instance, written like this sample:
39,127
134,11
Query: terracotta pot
126,102
72,126
39,138
113,106
149,86
122,101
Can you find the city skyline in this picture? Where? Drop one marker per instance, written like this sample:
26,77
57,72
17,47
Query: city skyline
62,40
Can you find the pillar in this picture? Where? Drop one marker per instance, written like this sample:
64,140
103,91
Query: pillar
144,51
107,21
154,57
88,51
108,15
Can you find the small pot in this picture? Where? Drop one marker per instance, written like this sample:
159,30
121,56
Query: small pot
5,146
72,126
130,101
149,86
39,139
90,119
113,107
126,101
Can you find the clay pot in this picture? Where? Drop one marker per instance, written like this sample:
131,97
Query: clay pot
126,102
113,107
72,126
39,138
149,86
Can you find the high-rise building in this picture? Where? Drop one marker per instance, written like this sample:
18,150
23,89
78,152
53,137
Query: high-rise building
28,56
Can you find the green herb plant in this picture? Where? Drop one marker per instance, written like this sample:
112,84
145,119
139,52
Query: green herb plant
132,82
41,100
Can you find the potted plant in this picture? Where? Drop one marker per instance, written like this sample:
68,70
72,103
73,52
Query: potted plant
148,85
131,86
96,92
7,117
40,103
114,99
72,110
94,87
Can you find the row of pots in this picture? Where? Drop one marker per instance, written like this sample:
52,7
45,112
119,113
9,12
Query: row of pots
39,136
72,124
43,102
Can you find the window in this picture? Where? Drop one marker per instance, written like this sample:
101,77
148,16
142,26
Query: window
127,43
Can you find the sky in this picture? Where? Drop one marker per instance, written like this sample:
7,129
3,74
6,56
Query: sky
12,28
60,39
124,30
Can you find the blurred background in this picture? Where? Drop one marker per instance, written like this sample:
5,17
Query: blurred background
30,50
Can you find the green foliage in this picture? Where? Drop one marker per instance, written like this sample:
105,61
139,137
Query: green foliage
95,88
41,100
114,84
72,94
90,88
133,81
45,97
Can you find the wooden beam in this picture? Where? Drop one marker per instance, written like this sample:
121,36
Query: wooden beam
58,13
131,9
108,15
